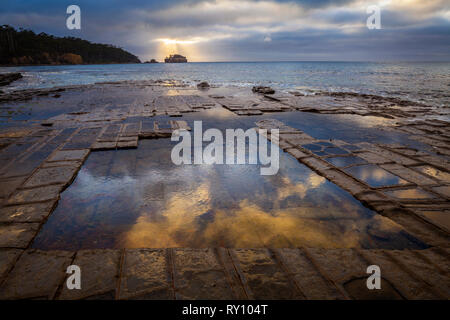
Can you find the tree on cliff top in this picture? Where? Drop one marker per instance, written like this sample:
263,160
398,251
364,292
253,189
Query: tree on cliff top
26,47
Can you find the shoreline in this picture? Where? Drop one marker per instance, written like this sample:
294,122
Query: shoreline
381,79
65,64
29,93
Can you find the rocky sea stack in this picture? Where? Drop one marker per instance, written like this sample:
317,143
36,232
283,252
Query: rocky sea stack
175,58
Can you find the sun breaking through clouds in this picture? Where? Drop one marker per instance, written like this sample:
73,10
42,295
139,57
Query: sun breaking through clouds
235,30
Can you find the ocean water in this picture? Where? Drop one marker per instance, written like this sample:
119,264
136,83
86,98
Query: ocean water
427,82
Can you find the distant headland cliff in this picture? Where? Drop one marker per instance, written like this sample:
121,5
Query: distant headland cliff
24,47
175,58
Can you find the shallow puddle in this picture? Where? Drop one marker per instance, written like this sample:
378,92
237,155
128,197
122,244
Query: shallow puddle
375,176
139,198
436,173
346,161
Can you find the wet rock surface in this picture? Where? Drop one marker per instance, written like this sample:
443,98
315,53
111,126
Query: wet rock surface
100,274
404,183
388,171
203,85
17,235
263,90
7,78
305,273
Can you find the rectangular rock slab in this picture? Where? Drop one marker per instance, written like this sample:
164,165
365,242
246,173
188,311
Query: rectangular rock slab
297,153
436,161
40,194
145,275
7,186
344,181
7,260
372,196
439,218
55,175
400,279
17,235
373,158
99,274
408,174
128,138
341,265
132,144
104,145
442,190
263,275
35,212
73,155
199,275
312,284
396,157
284,145
316,164
416,226
438,256
436,278
61,164
37,274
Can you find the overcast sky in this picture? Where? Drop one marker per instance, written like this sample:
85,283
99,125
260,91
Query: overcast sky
249,30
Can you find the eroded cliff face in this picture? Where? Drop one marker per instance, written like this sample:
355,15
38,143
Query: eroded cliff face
47,58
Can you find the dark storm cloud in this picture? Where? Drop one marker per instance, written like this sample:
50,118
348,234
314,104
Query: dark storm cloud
250,30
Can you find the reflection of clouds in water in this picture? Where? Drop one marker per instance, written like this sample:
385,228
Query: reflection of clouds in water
435,173
315,180
372,173
250,224
289,188
149,203
179,214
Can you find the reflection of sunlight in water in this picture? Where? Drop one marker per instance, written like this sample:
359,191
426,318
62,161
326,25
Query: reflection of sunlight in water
220,113
435,173
370,121
172,92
